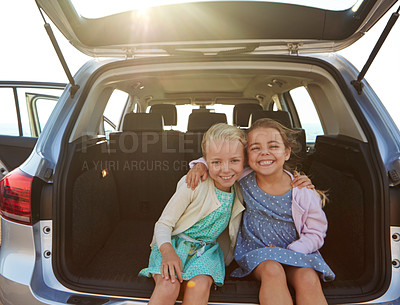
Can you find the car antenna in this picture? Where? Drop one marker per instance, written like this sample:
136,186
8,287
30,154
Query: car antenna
357,83
74,87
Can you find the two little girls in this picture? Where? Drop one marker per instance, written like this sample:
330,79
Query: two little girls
283,227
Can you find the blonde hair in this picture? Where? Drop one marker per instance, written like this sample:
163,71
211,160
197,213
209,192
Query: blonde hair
222,132
289,140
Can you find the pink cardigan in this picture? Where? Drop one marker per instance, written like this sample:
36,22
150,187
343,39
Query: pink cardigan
309,219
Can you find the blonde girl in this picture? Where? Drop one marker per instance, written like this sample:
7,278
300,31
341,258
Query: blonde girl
186,247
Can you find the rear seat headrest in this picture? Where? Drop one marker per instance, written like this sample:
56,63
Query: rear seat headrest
168,111
241,113
201,121
282,117
143,122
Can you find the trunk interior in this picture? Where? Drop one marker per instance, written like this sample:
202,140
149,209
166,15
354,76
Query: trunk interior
113,197
113,206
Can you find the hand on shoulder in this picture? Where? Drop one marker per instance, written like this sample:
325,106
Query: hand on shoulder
301,181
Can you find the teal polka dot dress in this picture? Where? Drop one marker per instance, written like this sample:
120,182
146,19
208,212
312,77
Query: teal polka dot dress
194,260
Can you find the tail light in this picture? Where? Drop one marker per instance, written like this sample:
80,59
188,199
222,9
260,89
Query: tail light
15,197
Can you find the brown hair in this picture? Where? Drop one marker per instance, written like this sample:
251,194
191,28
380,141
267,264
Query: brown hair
288,135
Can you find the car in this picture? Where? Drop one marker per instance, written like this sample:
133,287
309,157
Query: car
78,214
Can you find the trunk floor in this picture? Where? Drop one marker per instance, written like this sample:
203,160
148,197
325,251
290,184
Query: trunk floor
127,250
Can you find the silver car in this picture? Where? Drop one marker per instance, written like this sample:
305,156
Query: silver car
78,213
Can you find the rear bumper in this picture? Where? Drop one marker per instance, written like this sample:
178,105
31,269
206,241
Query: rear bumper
13,293
392,295
20,270
26,274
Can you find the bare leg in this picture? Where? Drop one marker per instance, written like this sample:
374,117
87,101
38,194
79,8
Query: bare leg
307,285
274,289
197,290
165,292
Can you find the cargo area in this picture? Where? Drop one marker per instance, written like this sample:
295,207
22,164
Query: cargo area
114,187
113,206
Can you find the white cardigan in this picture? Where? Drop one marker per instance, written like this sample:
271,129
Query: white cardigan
186,207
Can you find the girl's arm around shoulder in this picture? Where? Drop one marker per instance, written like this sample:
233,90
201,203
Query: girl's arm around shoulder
200,173
310,220
307,198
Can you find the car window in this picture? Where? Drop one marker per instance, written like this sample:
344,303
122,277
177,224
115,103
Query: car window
113,112
39,108
307,113
183,112
44,107
25,110
30,114
9,118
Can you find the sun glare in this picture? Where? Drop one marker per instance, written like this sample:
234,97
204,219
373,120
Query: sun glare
142,11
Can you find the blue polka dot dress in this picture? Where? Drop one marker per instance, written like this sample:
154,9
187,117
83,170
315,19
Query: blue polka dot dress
194,260
267,230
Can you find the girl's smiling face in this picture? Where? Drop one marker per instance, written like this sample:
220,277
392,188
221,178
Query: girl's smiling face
225,160
266,151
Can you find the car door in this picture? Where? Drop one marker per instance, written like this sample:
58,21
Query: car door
25,108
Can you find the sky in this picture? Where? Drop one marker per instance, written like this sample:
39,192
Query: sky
26,52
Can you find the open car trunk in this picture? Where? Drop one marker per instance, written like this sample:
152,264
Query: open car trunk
112,199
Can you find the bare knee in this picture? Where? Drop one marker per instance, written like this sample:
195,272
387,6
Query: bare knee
306,279
200,283
270,270
165,288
